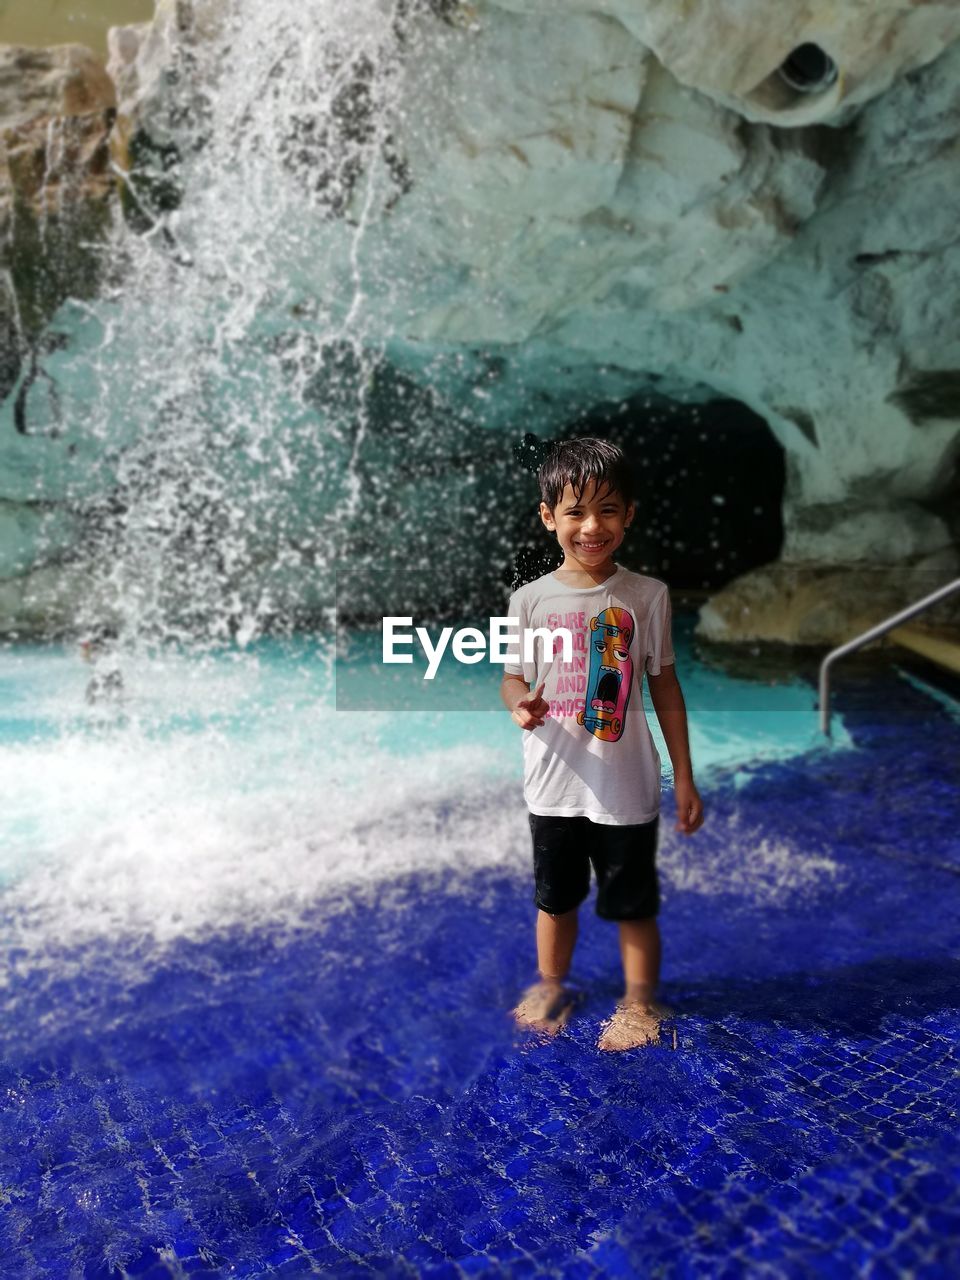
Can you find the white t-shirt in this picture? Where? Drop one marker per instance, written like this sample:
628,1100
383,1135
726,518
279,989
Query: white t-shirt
594,755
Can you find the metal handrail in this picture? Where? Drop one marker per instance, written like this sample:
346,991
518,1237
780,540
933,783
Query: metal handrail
880,629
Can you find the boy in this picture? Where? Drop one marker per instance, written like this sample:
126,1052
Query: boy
591,769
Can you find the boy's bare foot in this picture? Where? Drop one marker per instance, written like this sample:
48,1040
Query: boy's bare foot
546,1006
633,1024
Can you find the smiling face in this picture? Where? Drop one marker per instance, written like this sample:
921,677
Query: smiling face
589,528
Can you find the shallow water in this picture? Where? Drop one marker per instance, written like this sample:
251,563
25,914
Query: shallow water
217,792
255,1024
245,695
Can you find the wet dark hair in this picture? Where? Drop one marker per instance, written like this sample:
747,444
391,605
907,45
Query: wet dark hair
577,462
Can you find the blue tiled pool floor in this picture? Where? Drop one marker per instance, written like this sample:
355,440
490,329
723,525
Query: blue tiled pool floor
353,1101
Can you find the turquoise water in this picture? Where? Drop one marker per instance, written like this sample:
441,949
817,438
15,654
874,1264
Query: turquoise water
227,743
236,690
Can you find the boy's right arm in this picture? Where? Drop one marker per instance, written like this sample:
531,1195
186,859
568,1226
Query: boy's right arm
527,709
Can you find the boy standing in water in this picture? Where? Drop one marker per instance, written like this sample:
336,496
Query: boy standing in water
591,769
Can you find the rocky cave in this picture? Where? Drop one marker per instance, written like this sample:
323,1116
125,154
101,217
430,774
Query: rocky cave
374,269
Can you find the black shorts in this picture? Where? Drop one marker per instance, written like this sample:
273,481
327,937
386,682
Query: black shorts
624,859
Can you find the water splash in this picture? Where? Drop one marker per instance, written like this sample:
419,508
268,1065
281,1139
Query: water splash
221,414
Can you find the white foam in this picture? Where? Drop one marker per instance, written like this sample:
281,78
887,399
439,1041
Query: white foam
166,824
229,792
763,869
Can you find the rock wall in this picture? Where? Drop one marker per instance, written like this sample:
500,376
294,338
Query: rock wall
56,111
733,51
593,198
57,107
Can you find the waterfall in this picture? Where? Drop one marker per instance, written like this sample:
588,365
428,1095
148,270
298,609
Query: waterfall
229,387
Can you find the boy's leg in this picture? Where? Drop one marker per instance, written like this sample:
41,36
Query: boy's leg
548,1004
640,952
637,1017
556,938
562,875
629,893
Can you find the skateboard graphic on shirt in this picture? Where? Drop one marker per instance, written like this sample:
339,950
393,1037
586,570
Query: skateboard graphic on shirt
610,675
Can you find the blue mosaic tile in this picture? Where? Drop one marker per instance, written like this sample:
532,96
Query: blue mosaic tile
804,1125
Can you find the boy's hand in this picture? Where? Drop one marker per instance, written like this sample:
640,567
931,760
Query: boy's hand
689,806
530,712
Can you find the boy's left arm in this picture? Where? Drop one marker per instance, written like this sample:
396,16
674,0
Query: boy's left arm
667,698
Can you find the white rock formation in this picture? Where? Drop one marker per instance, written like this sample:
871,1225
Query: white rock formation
599,191
732,50
810,273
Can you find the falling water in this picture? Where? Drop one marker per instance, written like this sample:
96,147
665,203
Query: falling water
214,400
233,376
